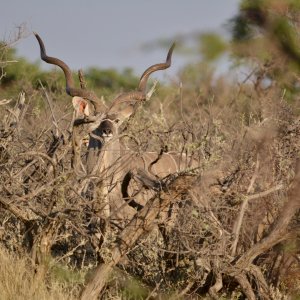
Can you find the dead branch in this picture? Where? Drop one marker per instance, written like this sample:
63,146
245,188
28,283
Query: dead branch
276,235
238,223
23,213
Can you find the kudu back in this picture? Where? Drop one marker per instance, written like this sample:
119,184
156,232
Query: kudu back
118,170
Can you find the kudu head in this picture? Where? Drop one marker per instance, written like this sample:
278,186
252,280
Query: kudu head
88,106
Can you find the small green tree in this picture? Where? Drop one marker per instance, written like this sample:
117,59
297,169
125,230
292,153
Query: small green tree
267,32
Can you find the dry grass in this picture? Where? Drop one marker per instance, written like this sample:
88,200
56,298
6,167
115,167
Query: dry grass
18,281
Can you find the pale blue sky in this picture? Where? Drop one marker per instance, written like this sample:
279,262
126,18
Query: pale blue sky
110,33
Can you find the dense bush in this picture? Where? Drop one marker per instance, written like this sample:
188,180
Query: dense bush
233,231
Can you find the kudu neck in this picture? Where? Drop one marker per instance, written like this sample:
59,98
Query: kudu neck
103,153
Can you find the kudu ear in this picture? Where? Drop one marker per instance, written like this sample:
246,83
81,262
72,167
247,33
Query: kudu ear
122,114
81,106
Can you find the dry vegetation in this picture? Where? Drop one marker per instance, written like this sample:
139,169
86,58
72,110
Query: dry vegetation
237,234
233,228
17,281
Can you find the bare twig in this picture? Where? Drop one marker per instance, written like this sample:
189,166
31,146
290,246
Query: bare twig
50,103
276,235
265,193
5,101
151,91
238,223
81,79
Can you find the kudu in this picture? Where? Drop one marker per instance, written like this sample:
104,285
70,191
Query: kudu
117,168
